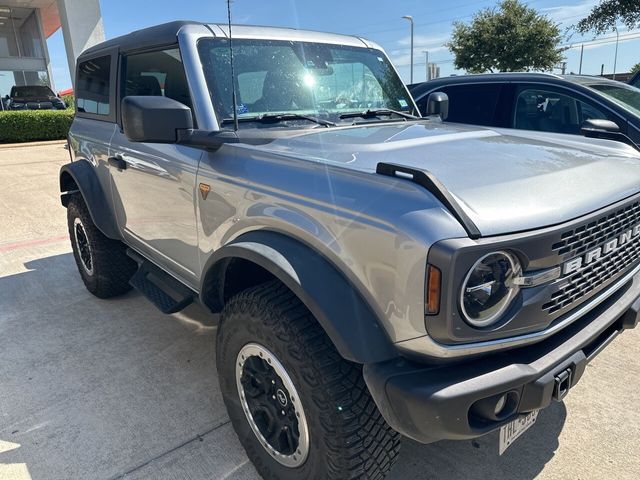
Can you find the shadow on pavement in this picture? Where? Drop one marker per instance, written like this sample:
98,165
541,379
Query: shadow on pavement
69,357
478,459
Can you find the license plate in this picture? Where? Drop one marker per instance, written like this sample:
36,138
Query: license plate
510,432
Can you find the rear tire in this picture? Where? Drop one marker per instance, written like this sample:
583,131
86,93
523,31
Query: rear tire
267,334
102,262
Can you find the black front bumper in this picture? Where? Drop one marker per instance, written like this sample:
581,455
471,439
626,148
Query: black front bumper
435,402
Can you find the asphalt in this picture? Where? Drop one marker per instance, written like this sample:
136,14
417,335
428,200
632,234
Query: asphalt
109,389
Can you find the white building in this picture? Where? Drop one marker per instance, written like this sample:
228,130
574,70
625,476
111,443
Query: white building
25,26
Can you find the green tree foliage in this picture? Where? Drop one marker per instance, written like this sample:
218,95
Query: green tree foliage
607,13
635,68
511,38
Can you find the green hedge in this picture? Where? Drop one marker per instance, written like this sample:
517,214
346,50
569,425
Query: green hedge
33,125
70,101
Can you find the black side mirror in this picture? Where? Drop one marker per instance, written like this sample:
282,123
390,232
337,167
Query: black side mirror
438,104
596,127
154,119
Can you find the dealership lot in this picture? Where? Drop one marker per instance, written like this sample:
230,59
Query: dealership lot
114,389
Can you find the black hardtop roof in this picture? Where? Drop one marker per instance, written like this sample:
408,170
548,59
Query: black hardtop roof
164,34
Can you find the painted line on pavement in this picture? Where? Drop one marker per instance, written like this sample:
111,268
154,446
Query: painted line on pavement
31,243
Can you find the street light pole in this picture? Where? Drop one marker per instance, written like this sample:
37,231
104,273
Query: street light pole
615,57
581,55
426,53
410,18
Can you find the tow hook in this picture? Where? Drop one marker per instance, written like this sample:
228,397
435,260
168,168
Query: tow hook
562,384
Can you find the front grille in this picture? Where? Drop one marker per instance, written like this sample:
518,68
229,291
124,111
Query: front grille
39,105
579,240
595,276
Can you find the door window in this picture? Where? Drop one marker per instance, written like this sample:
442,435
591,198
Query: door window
159,73
549,111
474,104
92,86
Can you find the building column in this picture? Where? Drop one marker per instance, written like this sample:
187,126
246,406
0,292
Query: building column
82,27
45,49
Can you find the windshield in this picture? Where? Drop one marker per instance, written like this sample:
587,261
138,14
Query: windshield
32,91
300,77
624,95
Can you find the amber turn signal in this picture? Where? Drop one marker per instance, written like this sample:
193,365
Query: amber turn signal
432,304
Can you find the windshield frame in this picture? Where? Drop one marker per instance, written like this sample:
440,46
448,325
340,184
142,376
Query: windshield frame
400,89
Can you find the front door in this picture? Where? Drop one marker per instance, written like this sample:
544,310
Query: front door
154,185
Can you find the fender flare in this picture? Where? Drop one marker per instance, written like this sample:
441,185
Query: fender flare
84,177
333,300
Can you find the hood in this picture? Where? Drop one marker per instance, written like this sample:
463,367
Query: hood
505,180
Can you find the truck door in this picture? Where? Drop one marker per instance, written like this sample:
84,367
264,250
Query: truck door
154,185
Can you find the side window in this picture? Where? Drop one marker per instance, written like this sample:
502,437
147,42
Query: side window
92,86
159,73
550,111
473,104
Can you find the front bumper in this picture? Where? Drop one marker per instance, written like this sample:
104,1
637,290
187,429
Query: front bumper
435,402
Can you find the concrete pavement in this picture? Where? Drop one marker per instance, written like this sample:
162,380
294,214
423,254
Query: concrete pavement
106,389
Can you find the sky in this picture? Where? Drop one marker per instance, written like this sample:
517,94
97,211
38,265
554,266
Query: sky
380,21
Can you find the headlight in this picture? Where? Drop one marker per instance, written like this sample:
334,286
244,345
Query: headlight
488,288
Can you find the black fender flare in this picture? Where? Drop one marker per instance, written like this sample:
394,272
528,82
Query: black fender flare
334,301
82,174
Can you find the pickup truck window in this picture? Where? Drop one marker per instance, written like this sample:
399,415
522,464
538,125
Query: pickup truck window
300,77
550,111
625,96
474,104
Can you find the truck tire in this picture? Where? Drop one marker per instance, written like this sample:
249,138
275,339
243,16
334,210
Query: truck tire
300,410
102,262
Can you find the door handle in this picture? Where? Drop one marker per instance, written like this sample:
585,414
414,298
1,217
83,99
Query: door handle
118,162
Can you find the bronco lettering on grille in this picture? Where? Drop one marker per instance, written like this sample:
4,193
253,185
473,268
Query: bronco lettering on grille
602,251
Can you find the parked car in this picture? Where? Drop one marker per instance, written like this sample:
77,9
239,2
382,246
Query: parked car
371,267
34,97
572,104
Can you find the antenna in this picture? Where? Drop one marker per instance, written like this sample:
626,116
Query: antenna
233,75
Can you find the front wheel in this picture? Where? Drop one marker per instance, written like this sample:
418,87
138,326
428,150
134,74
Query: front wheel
103,263
300,410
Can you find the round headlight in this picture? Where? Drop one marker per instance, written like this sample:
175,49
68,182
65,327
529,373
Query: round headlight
488,288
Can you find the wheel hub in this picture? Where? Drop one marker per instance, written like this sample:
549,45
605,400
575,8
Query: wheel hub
272,405
84,249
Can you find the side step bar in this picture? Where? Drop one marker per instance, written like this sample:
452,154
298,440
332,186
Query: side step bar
426,179
165,292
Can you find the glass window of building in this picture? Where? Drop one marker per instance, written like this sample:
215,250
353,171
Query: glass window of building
20,34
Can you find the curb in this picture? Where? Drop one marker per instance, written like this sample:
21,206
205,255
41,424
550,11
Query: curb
32,144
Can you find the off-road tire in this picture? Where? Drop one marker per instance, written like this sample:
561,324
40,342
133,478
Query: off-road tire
348,438
111,268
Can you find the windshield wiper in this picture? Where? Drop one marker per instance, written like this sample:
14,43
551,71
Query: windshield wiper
280,117
378,113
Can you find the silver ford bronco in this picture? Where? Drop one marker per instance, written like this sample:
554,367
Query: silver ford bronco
376,273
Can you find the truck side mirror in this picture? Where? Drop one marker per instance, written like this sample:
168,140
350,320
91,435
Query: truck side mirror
154,119
438,104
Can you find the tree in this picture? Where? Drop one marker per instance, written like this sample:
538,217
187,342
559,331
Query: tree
607,13
512,38
635,68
